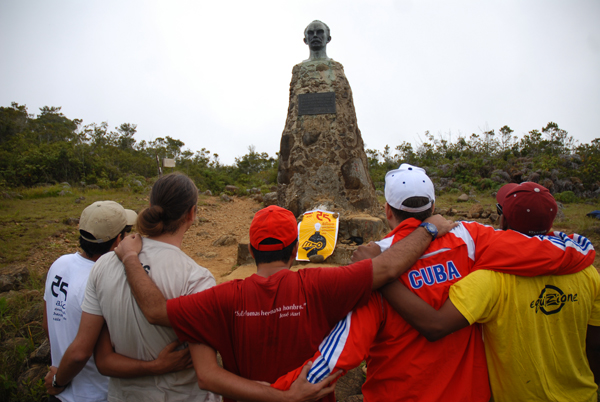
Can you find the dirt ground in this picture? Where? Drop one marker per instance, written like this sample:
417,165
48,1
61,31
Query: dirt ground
216,220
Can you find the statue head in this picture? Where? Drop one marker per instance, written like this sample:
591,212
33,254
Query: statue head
316,36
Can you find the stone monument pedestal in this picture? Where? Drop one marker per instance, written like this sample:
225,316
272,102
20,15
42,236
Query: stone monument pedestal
322,161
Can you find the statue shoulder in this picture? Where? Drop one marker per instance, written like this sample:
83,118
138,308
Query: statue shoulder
336,64
313,63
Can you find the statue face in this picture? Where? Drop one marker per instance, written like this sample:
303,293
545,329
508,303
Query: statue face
316,36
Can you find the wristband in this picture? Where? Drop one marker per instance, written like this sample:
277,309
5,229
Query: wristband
55,384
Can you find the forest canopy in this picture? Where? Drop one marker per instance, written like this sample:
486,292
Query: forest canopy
52,148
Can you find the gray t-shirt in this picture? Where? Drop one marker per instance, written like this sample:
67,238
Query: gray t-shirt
108,294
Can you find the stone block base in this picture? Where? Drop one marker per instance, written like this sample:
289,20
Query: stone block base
243,253
366,227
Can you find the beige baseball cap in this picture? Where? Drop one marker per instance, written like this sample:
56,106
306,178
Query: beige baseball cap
105,220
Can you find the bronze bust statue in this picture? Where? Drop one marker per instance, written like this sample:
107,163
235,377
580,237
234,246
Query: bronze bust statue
316,36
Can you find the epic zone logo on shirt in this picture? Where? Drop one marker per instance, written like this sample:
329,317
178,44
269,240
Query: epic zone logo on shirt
552,300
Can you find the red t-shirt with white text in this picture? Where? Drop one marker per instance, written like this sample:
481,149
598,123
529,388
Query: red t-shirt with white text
265,327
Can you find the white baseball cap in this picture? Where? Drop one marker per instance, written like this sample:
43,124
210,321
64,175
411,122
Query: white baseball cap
405,182
105,220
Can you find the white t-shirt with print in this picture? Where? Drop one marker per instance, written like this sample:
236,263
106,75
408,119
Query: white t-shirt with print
64,293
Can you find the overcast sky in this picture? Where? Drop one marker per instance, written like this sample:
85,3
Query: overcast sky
216,74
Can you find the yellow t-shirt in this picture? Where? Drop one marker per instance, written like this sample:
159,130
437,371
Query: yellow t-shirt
534,332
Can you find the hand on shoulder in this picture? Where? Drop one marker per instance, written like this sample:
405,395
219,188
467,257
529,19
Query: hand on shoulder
130,245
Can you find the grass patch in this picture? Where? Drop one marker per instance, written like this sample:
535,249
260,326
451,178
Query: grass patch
38,221
20,333
31,222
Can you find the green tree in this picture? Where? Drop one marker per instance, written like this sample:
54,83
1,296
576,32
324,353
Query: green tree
254,162
52,126
505,138
126,132
558,140
13,120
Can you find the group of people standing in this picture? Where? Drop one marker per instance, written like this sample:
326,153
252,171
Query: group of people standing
520,306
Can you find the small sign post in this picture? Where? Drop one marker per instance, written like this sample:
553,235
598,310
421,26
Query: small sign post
169,163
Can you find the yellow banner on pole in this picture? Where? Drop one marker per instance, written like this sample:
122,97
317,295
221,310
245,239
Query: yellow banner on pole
317,234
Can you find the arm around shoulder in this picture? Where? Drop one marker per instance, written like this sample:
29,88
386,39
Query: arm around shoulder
392,263
150,299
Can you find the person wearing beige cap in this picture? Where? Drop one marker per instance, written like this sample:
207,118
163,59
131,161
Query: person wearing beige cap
101,226
130,357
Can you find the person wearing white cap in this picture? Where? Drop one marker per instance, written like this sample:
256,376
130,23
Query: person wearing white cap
409,193
528,323
402,364
102,225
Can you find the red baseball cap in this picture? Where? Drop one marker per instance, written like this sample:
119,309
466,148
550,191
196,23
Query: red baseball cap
273,222
528,207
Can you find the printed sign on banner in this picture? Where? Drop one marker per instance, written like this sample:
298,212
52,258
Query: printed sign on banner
317,234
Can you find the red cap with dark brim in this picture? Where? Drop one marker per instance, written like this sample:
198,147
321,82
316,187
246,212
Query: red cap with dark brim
276,223
529,208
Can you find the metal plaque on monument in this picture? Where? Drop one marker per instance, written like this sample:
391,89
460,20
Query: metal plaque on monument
316,103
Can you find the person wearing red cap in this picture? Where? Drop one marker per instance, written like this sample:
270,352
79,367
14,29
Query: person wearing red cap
402,364
268,324
542,334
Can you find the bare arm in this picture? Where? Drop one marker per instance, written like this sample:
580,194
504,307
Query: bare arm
214,378
78,353
113,364
366,251
150,299
431,323
395,261
592,349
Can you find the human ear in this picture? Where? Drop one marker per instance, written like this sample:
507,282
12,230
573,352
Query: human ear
388,212
294,254
120,237
503,223
191,214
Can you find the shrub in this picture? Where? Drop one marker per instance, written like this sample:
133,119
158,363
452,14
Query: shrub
566,197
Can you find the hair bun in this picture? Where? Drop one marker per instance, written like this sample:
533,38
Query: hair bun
157,211
171,198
